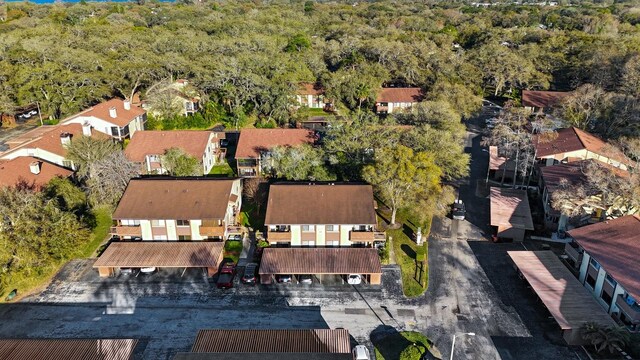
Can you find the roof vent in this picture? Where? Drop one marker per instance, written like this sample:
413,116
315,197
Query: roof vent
113,113
86,129
127,104
65,138
35,167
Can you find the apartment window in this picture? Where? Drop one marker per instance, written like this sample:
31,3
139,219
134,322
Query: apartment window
591,281
610,280
184,238
159,237
308,228
115,131
130,222
182,222
606,297
594,263
157,223
332,228
308,243
334,243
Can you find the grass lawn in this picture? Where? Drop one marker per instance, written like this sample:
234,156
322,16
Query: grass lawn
414,274
391,346
250,217
307,112
38,280
222,170
232,250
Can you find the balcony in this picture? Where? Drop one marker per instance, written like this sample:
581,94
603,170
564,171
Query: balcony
361,236
632,311
279,236
379,236
573,252
126,230
206,230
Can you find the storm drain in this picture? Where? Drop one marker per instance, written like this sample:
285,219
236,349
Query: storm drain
406,312
355,311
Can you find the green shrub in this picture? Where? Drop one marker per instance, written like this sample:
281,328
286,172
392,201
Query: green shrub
411,352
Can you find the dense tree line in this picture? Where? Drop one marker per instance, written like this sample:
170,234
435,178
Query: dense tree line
248,57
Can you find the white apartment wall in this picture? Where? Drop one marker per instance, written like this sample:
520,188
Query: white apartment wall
584,266
97,124
296,231
35,152
320,235
619,290
171,229
195,229
344,235
145,227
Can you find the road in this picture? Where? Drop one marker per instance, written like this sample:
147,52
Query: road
472,288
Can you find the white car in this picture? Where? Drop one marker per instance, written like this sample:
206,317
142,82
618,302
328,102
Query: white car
147,270
306,279
361,352
354,279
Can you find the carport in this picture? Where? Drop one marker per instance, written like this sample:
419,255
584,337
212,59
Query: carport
570,303
510,213
196,254
321,263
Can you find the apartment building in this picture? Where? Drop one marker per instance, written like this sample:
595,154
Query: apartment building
147,148
391,100
50,143
115,117
30,171
252,152
605,257
542,101
318,215
178,209
312,96
572,144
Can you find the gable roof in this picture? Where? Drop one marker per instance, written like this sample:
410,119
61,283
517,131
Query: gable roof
161,254
542,99
614,244
188,199
192,142
310,89
572,172
50,140
254,141
19,169
395,95
510,208
101,111
296,203
574,139
268,341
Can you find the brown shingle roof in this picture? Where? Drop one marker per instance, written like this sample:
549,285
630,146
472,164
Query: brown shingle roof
320,261
510,208
615,245
161,254
262,356
101,111
396,95
572,172
145,143
574,139
497,162
254,141
320,204
562,294
542,99
19,169
191,199
268,341
310,89
50,140
68,349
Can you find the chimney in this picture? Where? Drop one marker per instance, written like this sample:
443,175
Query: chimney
113,113
65,138
127,104
35,167
86,129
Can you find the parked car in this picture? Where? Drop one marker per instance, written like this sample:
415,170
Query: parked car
354,279
226,275
128,271
235,237
249,276
148,270
283,278
458,210
306,279
361,352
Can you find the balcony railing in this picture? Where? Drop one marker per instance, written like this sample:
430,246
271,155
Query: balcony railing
126,230
633,311
279,236
361,236
212,231
379,236
573,252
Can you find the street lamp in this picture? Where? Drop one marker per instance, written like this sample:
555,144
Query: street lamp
453,344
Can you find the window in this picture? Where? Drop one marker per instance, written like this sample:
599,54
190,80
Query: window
591,281
115,131
606,297
334,243
308,243
610,280
67,164
130,222
594,263
308,228
184,238
182,222
159,237
157,223
332,228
